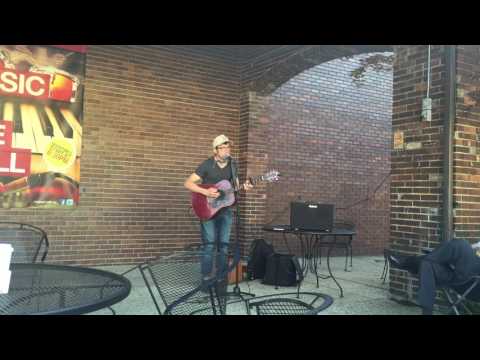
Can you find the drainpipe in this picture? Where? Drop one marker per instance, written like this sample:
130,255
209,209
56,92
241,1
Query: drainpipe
451,54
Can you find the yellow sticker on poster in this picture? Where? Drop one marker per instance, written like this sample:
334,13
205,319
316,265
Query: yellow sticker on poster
60,154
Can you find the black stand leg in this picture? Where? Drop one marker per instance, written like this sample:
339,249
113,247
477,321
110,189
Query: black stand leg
236,289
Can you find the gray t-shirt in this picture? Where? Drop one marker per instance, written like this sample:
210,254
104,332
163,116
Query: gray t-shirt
211,173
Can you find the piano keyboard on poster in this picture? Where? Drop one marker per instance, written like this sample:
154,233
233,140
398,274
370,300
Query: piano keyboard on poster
35,124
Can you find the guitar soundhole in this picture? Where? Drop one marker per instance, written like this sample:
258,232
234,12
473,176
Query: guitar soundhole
218,202
222,195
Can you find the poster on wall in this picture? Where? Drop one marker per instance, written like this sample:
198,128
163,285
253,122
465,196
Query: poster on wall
41,117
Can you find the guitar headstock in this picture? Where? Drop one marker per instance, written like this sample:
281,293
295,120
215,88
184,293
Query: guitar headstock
271,176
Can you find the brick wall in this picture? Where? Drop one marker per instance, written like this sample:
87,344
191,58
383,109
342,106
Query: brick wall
151,113
252,133
330,139
264,110
467,145
416,184
416,191
150,116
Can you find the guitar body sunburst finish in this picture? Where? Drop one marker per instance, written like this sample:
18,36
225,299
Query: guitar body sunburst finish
206,208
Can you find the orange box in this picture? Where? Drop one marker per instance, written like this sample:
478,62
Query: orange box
241,269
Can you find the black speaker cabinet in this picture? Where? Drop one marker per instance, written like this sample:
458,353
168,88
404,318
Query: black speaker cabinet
312,216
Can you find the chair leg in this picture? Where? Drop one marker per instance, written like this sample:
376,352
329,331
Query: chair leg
467,309
385,267
113,311
453,305
384,272
351,255
247,304
461,301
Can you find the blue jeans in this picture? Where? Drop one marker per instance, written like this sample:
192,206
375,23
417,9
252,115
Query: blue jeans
216,231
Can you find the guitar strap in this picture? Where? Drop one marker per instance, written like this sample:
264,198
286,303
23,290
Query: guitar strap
237,253
234,171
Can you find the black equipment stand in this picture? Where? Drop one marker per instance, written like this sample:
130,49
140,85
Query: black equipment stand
236,289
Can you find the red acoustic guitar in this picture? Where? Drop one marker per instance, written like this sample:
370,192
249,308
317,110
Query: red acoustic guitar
205,208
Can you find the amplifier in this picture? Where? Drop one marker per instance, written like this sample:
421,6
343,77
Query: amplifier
312,216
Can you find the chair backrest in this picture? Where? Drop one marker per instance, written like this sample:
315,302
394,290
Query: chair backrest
30,243
303,303
176,282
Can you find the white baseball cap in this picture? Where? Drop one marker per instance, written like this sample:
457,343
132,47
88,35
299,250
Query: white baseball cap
219,140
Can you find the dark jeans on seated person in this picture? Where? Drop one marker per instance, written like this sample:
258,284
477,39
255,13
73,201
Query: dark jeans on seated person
452,262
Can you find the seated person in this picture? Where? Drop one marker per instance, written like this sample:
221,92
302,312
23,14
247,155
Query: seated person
451,263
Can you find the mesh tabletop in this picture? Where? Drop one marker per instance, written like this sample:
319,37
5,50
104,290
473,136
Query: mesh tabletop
54,289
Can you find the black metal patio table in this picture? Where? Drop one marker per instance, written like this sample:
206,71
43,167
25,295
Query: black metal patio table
310,242
45,289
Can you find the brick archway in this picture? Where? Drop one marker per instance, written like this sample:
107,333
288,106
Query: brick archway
259,81
304,58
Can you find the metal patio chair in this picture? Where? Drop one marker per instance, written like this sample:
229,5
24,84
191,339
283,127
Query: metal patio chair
303,303
459,295
341,242
177,280
175,285
30,243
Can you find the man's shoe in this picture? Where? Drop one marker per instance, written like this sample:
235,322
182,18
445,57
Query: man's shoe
203,294
206,285
408,263
394,261
204,290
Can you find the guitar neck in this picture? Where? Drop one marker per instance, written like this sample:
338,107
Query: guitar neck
253,180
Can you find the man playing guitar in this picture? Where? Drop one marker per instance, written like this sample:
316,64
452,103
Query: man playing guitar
214,170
